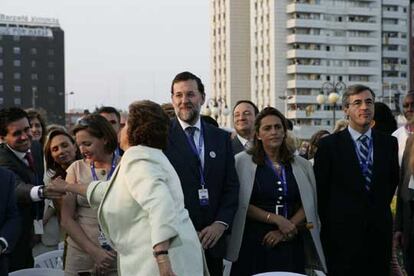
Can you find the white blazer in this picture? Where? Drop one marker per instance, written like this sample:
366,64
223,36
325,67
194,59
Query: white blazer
303,172
141,206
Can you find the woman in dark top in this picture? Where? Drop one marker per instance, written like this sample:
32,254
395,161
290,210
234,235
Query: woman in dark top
278,189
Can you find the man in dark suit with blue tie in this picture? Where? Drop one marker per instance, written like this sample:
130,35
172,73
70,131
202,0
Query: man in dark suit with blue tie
25,159
356,174
9,219
203,158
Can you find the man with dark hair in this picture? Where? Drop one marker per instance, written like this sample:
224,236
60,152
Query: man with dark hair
112,115
406,130
356,174
9,218
203,158
24,157
244,114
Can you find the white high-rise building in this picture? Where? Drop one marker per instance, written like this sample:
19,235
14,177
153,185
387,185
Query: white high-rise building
302,48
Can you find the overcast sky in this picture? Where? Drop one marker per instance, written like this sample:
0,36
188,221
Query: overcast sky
125,50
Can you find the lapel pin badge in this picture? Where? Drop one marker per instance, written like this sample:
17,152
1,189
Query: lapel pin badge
212,154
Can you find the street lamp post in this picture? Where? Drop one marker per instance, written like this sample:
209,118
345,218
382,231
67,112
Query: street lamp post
331,92
216,107
67,100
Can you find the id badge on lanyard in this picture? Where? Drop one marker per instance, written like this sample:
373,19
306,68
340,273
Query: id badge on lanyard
203,196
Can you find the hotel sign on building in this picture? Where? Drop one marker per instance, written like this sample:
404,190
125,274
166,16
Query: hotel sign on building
32,70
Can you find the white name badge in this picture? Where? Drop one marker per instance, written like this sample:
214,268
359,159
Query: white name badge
203,196
38,226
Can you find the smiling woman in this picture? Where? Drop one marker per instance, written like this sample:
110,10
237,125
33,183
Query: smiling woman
87,246
38,125
276,205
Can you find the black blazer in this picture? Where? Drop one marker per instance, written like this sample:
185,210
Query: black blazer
10,222
25,180
237,145
219,173
356,225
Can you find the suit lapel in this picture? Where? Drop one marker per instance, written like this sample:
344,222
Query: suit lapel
210,146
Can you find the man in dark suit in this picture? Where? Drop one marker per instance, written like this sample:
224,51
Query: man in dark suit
9,219
203,158
356,174
23,157
244,114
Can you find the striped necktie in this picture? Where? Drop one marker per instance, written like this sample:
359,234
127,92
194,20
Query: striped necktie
364,159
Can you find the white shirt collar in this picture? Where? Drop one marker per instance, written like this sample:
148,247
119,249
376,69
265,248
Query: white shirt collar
184,125
355,134
19,154
242,140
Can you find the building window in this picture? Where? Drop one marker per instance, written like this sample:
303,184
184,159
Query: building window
1,88
33,63
1,75
34,76
16,50
51,89
17,101
1,50
17,76
51,77
16,38
51,52
1,101
51,64
17,88
33,51
17,63
1,62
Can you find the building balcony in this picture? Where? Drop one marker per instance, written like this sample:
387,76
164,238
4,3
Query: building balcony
393,14
394,28
291,84
394,54
305,23
318,114
298,7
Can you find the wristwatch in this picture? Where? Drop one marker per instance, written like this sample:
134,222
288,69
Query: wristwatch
40,192
158,253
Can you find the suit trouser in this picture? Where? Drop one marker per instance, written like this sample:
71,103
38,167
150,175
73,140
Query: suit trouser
4,267
214,265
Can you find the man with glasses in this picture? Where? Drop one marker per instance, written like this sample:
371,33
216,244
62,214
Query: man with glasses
203,158
405,131
356,174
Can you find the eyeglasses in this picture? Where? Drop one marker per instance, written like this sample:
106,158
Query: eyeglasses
407,105
358,103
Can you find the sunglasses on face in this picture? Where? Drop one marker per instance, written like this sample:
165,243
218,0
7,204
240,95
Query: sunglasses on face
407,105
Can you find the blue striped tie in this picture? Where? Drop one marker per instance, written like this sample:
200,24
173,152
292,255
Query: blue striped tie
363,154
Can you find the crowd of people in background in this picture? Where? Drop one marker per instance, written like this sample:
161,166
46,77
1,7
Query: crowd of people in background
146,196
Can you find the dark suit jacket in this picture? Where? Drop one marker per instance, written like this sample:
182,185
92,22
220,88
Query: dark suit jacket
21,257
219,172
9,217
237,145
356,225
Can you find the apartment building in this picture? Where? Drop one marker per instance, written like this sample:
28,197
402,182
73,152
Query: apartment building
302,48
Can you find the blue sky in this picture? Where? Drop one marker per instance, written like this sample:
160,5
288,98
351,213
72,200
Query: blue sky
125,50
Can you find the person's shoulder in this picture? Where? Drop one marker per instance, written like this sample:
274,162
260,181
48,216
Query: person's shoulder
399,131
140,152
